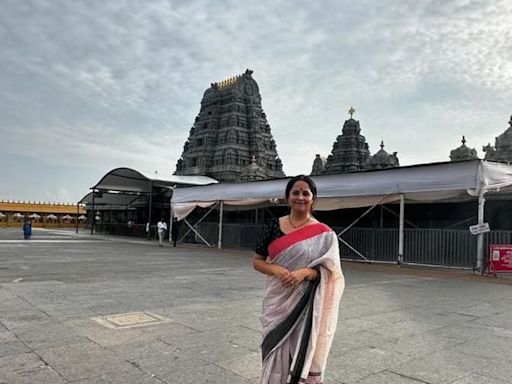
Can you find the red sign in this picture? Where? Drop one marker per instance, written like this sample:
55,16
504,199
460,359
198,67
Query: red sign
500,258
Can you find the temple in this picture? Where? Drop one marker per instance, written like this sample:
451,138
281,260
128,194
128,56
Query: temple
463,152
382,159
502,150
350,153
231,140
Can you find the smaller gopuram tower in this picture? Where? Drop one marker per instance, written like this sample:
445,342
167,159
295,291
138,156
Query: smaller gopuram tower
350,150
230,130
318,165
502,150
463,152
382,159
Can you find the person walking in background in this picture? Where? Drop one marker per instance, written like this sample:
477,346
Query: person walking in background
301,259
27,229
162,228
174,231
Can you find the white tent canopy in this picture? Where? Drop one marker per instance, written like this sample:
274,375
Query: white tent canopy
450,181
131,180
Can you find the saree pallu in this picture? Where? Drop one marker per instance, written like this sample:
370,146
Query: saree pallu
299,322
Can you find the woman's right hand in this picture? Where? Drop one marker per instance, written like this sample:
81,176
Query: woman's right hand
281,273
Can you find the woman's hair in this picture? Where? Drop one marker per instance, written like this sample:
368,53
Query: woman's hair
306,179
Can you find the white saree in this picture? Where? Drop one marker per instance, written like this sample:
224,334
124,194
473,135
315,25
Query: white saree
299,322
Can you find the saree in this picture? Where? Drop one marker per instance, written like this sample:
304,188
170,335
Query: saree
298,323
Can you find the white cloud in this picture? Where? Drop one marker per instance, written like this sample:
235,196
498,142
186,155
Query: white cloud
104,84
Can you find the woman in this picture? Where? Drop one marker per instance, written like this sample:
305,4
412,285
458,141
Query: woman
27,229
300,255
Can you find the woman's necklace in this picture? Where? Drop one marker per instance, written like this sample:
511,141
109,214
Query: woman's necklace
298,225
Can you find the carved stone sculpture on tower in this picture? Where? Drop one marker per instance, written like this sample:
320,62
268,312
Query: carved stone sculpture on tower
231,128
502,150
253,172
382,159
318,165
463,152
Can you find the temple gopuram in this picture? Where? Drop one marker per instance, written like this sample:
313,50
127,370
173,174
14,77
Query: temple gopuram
382,159
463,152
350,153
502,150
231,140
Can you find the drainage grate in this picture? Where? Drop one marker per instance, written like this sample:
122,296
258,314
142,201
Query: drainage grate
130,320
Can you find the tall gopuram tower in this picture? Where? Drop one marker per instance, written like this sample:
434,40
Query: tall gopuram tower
502,150
463,152
350,150
230,129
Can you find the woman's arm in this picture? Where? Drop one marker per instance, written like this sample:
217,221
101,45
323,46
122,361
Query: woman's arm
285,276
261,265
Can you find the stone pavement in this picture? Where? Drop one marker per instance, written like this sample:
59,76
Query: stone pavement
200,312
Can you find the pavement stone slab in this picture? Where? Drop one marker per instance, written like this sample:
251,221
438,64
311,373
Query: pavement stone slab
27,368
248,365
441,367
388,377
474,378
357,364
129,376
84,360
13,347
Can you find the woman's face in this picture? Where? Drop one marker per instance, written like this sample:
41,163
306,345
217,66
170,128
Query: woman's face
300,198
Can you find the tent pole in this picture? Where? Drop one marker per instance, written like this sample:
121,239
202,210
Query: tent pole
171,218
480,239
196,232
397,215
401,231
93,220
221,214
150,207
77,213
363,215
196,223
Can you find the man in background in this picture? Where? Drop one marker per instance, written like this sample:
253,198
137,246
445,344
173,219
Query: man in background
162,228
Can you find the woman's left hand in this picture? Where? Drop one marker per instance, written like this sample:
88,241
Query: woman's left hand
296,277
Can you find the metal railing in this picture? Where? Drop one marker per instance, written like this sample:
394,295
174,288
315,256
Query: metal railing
443,247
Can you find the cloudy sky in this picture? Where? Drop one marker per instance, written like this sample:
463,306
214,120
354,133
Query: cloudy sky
87,86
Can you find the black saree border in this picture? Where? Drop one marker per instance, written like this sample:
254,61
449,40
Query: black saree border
294,377
276,335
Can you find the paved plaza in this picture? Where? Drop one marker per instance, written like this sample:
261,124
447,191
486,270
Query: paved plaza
190,315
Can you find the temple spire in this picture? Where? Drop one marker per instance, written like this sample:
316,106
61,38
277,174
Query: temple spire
351,112
231,136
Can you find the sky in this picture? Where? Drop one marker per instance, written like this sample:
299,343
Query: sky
88,86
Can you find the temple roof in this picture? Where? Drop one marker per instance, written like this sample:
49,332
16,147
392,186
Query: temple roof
230,81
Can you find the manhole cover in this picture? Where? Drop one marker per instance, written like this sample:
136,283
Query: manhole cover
128,320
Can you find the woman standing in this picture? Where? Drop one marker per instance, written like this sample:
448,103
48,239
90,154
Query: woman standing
300,255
